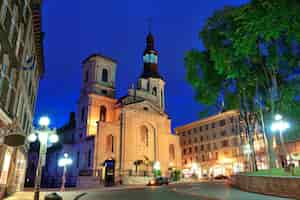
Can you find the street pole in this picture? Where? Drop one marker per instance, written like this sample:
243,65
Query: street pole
42,154
63,182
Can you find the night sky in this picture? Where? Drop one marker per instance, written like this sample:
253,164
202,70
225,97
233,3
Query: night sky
75,29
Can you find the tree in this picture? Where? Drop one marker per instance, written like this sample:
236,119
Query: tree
137,163
251,60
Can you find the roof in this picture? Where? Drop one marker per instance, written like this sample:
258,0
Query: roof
207,120
98,55
38,34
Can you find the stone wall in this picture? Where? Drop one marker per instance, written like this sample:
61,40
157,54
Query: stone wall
277,186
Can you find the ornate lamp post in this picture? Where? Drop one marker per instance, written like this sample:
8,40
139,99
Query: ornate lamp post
44,134
280,125
64,162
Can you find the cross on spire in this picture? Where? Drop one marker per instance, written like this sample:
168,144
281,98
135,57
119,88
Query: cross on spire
149,24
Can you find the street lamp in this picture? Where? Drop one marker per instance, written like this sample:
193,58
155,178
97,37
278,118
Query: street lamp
64,162
45,135
280,125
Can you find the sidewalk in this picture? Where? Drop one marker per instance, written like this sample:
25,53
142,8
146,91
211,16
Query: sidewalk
221,191
72,193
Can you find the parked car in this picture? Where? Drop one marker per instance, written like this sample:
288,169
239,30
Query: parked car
159,181
219,177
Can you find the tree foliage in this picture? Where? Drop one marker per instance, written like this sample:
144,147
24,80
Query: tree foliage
251,59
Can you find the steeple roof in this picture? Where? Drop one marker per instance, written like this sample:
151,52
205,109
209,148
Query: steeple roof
150,59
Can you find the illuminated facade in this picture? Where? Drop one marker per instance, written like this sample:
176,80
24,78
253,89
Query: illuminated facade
21,66
215,145
129,129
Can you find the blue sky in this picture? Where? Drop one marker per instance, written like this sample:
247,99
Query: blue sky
75,29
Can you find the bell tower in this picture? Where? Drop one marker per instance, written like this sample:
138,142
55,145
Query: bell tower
97,95
151,84
99,75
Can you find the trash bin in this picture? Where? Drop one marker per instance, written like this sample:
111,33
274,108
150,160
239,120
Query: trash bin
53,196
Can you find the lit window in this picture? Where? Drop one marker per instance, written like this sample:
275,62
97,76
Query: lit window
5,168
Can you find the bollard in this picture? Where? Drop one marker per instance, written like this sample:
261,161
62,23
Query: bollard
53,196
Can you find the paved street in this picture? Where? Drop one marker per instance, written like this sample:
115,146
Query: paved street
199,191
204,191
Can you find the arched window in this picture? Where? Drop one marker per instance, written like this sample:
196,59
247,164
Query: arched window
144,135
171,152
104,75
110,144
154,91
102,114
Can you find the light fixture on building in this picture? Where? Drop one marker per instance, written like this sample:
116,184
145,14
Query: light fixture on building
156,165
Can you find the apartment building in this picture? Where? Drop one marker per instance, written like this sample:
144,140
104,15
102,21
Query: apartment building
21,67
216,145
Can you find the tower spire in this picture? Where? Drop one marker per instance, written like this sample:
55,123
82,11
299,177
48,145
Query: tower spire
149,24
150,57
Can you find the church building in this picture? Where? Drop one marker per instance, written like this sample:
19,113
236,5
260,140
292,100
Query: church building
134,130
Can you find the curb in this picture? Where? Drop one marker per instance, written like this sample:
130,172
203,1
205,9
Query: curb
80,195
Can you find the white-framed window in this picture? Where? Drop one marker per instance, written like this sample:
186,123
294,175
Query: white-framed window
13,25
3,11
19,40
25,8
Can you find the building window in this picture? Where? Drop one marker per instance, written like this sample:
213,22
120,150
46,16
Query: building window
208,147
215,146
26,5
104,75
184,151
4,9
154,91
222,122
196,149
86,77
102,114
195,140
225,143
200,128
201,138
5,168
202,147
216,155
190,150
213,125
13,25
195,130
206,127
223,133
145,136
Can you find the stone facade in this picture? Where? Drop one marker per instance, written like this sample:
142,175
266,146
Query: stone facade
277,186
21,66
131,128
